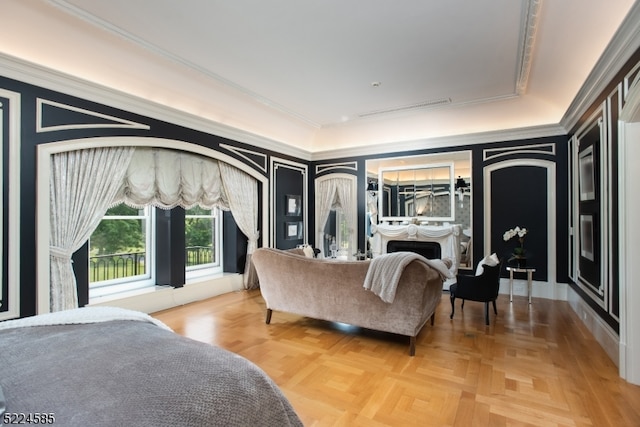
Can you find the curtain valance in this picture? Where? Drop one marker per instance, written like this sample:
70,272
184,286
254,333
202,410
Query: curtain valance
168,178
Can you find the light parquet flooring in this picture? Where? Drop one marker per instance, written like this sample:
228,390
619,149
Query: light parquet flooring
533,366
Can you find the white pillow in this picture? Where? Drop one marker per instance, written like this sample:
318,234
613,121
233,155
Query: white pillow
490,260
308,251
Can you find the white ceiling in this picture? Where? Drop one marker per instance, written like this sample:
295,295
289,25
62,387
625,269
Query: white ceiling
303,72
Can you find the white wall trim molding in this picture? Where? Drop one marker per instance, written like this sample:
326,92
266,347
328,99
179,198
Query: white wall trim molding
629,201
444,142
13,210
44,153
324,167
244,153
115,122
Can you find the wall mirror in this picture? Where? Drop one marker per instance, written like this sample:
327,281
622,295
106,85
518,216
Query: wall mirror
432,188
417,191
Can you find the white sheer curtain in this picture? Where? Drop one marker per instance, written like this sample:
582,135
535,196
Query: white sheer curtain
348,204
82,186
85,183
324,198
242,193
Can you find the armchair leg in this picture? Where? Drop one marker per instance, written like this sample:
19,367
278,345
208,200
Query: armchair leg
268,320
433,318
412,346
495,310
453,306
486,312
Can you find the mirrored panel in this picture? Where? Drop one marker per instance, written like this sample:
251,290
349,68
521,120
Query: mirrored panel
431,189
420,191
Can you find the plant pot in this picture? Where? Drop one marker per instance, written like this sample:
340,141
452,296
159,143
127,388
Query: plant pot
521,262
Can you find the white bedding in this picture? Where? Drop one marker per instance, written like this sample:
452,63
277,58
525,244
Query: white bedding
82,315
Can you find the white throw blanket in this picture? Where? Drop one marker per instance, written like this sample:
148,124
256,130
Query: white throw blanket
385,270
82,315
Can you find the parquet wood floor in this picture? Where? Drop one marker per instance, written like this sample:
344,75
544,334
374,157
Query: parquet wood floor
533,366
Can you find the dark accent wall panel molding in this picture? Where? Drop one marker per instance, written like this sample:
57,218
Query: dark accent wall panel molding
518,197
289,207
11,289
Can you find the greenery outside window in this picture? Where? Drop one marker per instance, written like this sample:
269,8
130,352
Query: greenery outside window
120,251
203,244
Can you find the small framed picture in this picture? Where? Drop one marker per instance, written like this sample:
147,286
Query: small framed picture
292,205
587,178
586,237
292,230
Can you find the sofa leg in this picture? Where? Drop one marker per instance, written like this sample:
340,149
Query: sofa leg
412,346
433,318
268,320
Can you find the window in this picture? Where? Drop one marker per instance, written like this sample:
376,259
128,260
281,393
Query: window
203,245
120,251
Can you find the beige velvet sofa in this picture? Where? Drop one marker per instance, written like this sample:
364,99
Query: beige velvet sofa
333,290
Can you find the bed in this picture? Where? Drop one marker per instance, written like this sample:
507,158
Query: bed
106,366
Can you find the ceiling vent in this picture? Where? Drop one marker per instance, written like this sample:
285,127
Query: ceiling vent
426,104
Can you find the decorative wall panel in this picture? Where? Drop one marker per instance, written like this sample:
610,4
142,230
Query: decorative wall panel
289,203
10,205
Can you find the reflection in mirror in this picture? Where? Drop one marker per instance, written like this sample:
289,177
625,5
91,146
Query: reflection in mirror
421,191
403,188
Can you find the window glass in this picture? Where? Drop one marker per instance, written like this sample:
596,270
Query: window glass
202,230
119,251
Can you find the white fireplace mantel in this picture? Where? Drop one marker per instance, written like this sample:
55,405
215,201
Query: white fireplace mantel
448,236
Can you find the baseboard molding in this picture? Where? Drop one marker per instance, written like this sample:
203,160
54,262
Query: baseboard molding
603,334
164,298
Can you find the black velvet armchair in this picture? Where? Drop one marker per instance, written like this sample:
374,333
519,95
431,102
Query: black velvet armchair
482,288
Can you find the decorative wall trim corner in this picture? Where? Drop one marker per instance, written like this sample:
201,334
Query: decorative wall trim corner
105,121
332,166
241,152
494,153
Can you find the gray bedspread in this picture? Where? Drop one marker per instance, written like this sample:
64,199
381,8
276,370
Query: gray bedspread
130,373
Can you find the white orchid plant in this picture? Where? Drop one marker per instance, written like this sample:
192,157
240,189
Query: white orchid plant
518,232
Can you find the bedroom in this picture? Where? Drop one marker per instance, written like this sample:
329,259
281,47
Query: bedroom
275,164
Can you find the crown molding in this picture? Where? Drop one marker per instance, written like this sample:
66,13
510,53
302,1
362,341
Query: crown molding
31,73
443,142
619,50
